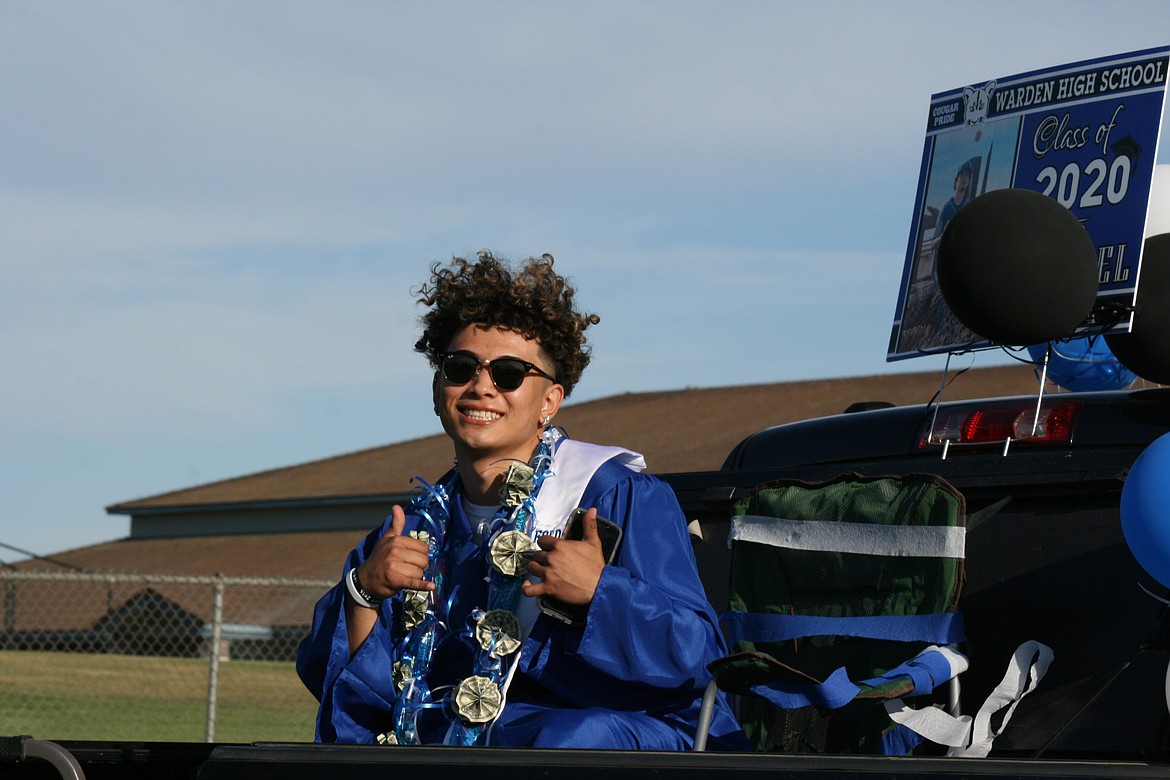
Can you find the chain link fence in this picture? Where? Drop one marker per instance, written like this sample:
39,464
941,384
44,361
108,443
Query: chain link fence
154,657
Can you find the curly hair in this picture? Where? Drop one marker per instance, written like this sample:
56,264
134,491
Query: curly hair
534,301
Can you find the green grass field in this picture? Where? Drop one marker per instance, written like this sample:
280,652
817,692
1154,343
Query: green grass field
73,696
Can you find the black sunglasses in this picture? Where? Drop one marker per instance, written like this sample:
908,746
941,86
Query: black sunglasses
508,373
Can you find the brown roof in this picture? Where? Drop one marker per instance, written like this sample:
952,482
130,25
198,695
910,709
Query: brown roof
681,430
238,555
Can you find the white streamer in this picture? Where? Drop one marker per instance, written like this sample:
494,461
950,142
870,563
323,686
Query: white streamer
969,737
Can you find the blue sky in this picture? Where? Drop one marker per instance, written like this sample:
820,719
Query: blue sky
212,214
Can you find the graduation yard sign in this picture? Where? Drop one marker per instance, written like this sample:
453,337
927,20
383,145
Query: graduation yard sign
1084,134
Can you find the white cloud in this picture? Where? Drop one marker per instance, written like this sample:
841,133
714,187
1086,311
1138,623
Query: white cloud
193,344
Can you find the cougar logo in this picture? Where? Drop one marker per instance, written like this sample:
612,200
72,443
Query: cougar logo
976,101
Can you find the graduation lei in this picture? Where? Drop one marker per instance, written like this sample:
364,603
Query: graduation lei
493,632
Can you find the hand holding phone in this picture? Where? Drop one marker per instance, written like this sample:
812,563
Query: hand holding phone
609,534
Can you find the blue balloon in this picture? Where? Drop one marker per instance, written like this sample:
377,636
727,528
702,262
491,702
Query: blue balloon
1145,509
1083,365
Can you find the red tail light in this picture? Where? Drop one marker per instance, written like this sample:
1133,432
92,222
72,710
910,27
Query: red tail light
1000,422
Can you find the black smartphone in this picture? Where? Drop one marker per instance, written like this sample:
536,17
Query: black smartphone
610,534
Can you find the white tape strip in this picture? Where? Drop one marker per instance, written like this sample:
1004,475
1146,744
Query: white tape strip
926,541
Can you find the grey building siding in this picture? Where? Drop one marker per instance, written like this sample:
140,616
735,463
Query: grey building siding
283,517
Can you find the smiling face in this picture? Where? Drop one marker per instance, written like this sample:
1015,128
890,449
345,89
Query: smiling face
487,425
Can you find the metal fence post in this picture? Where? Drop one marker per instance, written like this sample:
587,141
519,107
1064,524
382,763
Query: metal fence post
213,669
9,614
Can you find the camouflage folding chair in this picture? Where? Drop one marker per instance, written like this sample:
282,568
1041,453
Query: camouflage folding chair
844,596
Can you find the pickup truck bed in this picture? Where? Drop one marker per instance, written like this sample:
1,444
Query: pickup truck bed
1046,560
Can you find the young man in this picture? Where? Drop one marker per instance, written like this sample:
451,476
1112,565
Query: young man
960,198
470,617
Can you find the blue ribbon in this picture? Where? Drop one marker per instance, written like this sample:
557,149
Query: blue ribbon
941,628
926,671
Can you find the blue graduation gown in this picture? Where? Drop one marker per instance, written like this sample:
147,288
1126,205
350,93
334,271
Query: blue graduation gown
631,677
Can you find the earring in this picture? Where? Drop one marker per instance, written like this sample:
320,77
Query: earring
547,420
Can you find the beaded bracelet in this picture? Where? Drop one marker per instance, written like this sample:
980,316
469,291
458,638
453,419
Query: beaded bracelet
360,596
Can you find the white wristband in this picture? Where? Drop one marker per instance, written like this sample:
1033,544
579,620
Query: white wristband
360,596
